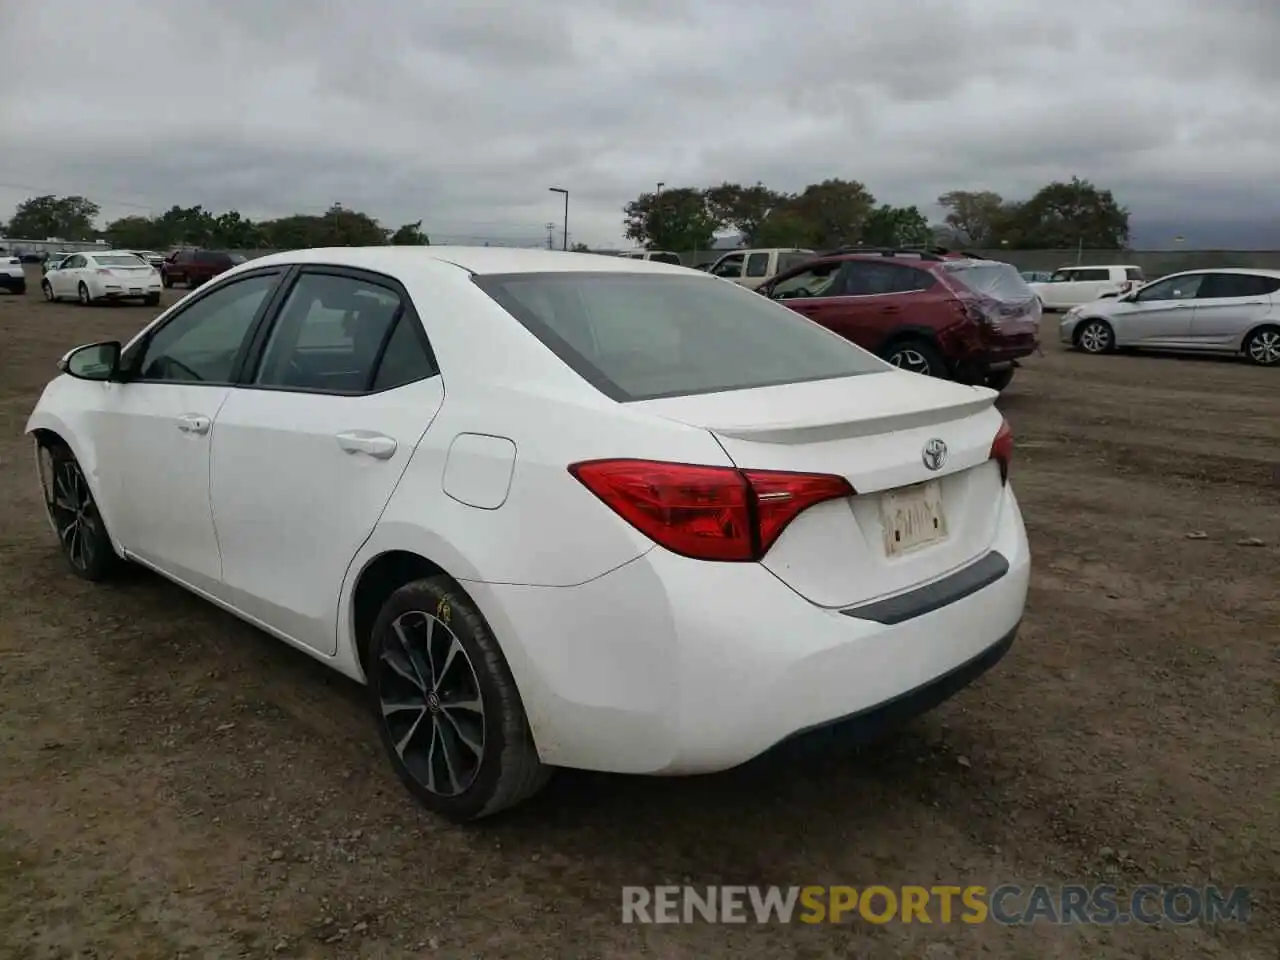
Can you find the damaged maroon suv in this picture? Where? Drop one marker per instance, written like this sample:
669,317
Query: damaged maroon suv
933,313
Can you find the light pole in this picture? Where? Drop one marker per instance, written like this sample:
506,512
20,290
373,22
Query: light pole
566,213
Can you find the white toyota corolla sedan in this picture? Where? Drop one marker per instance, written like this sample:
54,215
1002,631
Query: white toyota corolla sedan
555,510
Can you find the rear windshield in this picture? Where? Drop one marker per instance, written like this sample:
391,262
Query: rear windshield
999,281
665,258
640,337
119,260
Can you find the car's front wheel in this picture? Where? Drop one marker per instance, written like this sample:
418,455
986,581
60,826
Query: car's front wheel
47,289
1096,336
448,710
82,534
1263,347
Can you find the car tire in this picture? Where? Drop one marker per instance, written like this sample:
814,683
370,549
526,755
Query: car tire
20,289
916,355
999,379
1262,346
166,281
81,531
47,289
83,294
153,300
460,742
1096,336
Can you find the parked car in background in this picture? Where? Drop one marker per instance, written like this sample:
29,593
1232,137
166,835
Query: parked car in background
13,275
150,256
968,320
1072,286
1215,311
194,267
731,475
657,256
1037,276
751,268
109,275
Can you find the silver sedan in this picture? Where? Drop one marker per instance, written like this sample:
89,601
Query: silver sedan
1234,311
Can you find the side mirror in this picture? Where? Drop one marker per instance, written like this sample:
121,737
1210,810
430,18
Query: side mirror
93,361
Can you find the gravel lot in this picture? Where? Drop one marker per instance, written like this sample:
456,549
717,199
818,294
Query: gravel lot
177,784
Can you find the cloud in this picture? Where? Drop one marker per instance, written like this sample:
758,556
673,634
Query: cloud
464,114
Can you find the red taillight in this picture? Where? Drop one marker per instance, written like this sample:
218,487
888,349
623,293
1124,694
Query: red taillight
708,513
1002,449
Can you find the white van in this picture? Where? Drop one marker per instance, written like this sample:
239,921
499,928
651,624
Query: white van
657,256
1072,286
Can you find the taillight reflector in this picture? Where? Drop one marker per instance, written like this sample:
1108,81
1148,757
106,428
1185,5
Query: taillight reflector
707,513
1002,449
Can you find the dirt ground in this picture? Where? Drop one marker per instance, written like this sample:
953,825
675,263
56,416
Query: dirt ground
174,783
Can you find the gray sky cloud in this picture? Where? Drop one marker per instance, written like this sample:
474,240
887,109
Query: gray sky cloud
464,114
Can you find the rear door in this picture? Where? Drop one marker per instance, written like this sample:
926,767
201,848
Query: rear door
309,448
881,297
1229,305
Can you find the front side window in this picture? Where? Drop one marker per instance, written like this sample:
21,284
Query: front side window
1062,276
1184,287
329,335
640,337
730,266
200,344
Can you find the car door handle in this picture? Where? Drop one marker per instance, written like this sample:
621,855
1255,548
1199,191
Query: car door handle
371,444
194,423
891,309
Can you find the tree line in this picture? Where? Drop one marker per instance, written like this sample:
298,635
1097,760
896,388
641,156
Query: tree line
837,213
75,218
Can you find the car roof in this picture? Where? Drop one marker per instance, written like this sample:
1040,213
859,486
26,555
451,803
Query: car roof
476,260
1099,266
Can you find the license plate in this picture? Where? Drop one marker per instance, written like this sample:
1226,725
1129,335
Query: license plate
913,517
135,289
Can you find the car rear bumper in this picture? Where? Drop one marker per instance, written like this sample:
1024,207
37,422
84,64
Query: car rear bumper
674,666
127,291
13,281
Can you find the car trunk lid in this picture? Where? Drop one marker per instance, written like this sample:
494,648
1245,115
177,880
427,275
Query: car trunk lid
920,511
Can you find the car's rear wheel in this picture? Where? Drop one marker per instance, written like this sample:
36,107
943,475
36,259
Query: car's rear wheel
166,280
1096,336
20,289
999,379
448,710
83,294
1263,347
917,356
82,534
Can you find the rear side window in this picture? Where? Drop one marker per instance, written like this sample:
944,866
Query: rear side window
999,281
665,258
787,261
865,279
758,265
1093,273
1134,273
638,337
1236,285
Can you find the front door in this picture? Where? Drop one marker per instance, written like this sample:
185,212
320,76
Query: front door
66,279
1228,306
157,429
729,267
307,454
1161,314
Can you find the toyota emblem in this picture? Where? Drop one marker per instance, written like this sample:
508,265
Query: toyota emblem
934,454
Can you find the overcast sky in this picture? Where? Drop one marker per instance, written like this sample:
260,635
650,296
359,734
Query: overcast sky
464,113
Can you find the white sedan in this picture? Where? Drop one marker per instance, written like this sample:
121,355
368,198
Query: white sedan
553,509
109,275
